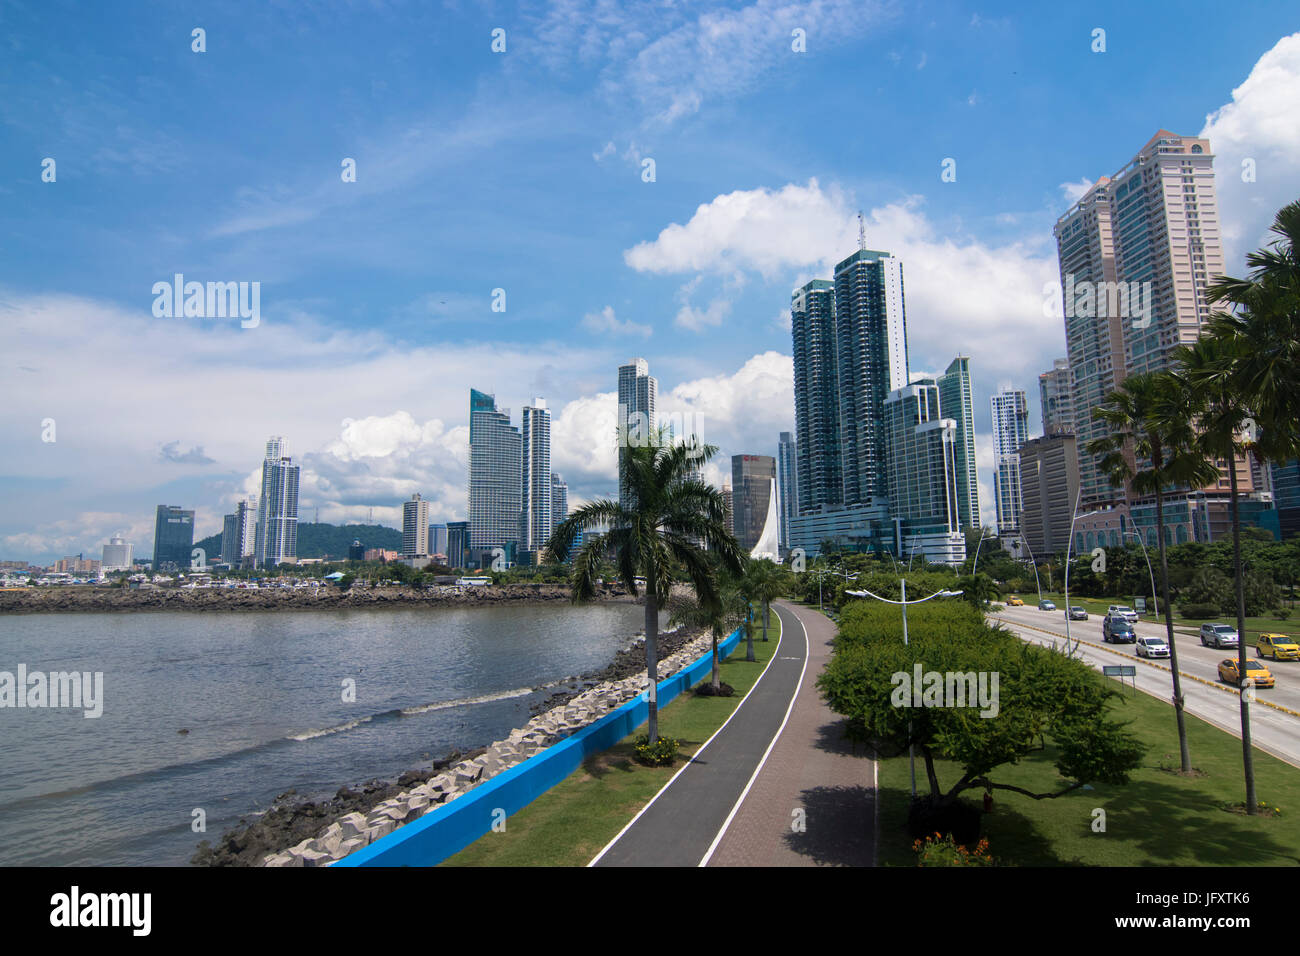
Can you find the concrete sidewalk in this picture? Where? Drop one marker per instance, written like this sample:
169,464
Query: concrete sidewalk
680,824
811,777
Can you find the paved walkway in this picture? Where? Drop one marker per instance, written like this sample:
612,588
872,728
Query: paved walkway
813,769
680,824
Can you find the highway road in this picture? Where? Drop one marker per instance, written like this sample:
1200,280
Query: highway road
1272,730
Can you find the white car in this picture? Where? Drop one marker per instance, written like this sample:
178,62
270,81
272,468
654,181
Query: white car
1123,611
1152,647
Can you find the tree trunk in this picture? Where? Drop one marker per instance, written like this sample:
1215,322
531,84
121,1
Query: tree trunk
1247,758
715,681
766,617
749,635
1184,754
652,654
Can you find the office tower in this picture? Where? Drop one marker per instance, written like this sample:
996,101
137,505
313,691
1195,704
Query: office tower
1049,482
1151,233
276,541
239,534
356,550
117,554
1010,431
636,422
438,539
753,483
728,509
495,466
415,527
229,540
871,361
457,543
787,485
535,485
956,402
1286,496
173,537
559,500
819,478
921,479
1054,393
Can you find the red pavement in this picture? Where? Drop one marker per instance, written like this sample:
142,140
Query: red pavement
811,769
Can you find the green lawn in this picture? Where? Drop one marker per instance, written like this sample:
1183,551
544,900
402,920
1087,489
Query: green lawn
1158,819
570,823
1098,606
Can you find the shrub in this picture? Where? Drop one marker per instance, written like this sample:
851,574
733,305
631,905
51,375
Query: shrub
1198,612
1281,613
661,753
944,851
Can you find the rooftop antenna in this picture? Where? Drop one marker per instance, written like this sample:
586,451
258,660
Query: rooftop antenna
862,233
371,519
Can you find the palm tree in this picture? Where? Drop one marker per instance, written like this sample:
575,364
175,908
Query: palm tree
670,517
1150,419
1205,370
762,585
721,617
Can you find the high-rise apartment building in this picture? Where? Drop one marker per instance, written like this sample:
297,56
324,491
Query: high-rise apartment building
415,527
535,485
819,479
239,534
956,402
117,554
636,423
173,537
438,539
1137,253
559,500
787,485
1049,483
276,541
495,467
1010,431
753,483
1054,393
922,475
457,543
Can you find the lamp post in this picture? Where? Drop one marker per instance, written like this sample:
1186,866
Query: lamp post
1155,601
1068,547
902,586
1038,583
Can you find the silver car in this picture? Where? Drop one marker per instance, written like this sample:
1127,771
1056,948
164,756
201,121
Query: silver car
1152,647
1218,635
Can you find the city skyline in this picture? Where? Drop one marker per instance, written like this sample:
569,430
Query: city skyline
669,277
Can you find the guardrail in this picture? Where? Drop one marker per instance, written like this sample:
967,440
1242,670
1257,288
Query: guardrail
455,825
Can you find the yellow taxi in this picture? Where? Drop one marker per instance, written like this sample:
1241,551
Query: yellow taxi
1254,670
1014,601
1280,647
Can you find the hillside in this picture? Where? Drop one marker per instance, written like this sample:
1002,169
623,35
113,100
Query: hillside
320,540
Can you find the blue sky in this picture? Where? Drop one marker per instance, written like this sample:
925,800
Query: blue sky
523,171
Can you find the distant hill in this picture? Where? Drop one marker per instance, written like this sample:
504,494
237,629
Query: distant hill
320,540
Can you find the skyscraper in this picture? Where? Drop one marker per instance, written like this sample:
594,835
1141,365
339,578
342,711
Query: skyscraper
787,485
173,537
922,475
956,402
535,486
438,539
1054,392
559,500
753,483
1010,431
457,543
415,527
495,467
637,394
1151,234
819,478
277,513
239,534
116,555
1049,482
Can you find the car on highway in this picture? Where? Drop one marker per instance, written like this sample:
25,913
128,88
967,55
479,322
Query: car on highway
1256,670
1077,613
1124,611
1014,601
1115,629
1152,647
1280,647
1218,635
1046,606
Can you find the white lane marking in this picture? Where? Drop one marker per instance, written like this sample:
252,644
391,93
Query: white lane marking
619,835
759,769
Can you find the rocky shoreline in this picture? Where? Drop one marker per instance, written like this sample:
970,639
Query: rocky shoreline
317,833
42,600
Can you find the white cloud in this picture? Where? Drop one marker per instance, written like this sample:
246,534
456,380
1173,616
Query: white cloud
1259,124
1073,192
689,317
605,321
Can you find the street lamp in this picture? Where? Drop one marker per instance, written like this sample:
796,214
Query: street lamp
1068,547
1038,583
1155,601
902,584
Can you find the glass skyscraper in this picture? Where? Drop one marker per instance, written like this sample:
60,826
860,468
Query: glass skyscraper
495,467
819,480
637,395
921,478
277,510
535,486
956,403
173,537
753,482
1010,431
787,485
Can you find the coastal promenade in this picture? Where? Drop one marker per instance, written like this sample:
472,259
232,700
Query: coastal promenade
776,786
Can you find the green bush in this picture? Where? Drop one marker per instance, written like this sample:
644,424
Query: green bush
1198,612
944,851
660,754
1281,613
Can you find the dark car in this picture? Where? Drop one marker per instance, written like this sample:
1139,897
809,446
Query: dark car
1116,630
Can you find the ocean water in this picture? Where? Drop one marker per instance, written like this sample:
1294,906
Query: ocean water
261,695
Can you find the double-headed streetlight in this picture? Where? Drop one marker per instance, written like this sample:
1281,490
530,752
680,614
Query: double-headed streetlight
902,585
1155,601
